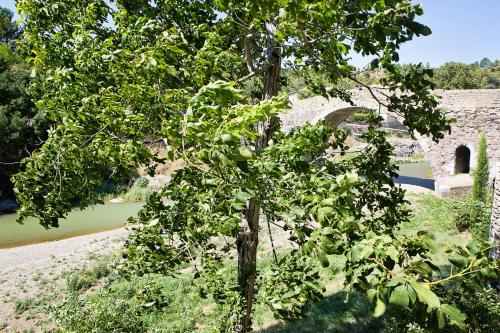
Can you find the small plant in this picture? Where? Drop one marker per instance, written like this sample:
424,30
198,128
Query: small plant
85,278
23,305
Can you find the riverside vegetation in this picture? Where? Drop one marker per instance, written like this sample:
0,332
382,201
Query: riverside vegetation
98,299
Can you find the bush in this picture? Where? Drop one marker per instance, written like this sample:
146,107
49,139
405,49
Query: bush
101,313
481,307
139,191
362,116
85,278
478,223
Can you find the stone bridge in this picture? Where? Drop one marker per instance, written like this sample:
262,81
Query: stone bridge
473,111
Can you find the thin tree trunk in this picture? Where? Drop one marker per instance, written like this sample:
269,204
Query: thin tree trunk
495,218
249,239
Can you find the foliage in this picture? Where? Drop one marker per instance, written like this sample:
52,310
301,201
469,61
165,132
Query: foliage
100,314
139,191
480,185
83,279
172,72
472,215
454,75
480,313
362,116
21,127
9,30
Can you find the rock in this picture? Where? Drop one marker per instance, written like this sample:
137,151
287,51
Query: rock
116,201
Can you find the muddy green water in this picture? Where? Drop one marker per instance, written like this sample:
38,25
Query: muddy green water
92,220
417,170
112,216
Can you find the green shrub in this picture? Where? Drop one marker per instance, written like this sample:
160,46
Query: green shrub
112,188
102,313
481,307
139,191
362,116
478,223
23,305
83,279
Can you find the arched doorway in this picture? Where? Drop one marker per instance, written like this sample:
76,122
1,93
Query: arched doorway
462,160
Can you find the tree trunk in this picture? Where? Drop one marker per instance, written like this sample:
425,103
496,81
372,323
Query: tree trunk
249,238
495,218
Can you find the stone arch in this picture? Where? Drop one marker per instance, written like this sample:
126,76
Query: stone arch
462,160
336,117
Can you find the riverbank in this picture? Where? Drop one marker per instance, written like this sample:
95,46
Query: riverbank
36,274
75,278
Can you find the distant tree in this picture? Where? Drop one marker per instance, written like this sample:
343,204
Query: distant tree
485,62
7,57
21,127
9,30
453,75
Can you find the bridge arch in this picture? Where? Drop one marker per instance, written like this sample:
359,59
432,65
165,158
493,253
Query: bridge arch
336,117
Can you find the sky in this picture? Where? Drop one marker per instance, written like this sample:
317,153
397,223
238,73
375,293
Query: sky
462,30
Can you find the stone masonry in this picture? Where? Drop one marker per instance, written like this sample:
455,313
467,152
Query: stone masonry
473,111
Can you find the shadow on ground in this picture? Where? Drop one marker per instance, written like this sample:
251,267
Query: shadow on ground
334,314
427,183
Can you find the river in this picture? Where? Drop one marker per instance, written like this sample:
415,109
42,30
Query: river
112,216
93,219
419,174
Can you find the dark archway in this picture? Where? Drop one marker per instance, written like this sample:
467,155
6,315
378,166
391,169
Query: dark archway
462,160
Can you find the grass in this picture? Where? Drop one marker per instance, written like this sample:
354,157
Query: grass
139,191
101,301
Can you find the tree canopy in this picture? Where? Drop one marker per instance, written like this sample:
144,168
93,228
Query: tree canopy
176,72
9,30
21,128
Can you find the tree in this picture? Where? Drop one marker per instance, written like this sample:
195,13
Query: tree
9,30
453,75
480,185
485,62
479,212
21,128
174,72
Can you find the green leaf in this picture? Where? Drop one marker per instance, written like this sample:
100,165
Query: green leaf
379,308
245,153
458,261
327,245
488,273
371,293
425,295
323,259
456,317
440,318
399,296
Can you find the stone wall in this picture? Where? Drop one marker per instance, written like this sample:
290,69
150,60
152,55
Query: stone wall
474,111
